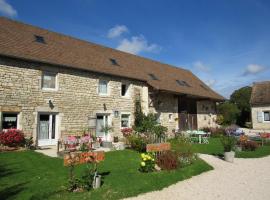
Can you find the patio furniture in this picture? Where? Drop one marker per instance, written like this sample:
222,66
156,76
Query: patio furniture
200,137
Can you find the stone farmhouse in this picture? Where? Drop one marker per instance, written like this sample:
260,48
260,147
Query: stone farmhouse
52,85
260,105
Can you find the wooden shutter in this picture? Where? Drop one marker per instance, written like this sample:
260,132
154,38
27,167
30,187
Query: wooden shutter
260,117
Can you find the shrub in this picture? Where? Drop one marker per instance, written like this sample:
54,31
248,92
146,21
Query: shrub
28,142
249,145
137,143
12,138
183,147
160,131
147,163
126,132
228,143
168,160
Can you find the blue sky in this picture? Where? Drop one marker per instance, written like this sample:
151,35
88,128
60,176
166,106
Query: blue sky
225,42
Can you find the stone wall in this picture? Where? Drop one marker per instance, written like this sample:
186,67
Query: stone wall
76,99
257,117
206,114
165,105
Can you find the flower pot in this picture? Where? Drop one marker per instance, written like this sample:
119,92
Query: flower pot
97,181
229,156
106,144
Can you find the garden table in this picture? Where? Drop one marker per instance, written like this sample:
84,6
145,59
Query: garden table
200,135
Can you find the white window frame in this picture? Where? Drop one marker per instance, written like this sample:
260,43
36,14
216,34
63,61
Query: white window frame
2,118
266,121
129,118
56,81
127,95
108,91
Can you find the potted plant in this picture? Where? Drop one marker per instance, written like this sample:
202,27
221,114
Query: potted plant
228,143
106,129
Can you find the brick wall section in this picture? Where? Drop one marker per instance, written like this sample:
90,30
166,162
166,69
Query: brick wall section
254,114
206,114
76,99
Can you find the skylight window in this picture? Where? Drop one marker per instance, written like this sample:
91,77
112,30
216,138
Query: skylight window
40,39
114,62
182,83
153,77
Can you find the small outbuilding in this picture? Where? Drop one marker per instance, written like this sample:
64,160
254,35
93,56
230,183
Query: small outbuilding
260,105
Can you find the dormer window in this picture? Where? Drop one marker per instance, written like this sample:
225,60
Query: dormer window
182,83
40,39
153,77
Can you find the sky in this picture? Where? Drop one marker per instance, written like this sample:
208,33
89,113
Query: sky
226,43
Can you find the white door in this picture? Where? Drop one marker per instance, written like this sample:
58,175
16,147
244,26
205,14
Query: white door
47,132
102,121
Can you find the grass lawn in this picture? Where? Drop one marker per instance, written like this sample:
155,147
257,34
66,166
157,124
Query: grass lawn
215,148
30,175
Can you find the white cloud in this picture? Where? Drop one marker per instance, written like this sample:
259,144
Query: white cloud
211,82
117,31
200,66
137,44
253,69
7,9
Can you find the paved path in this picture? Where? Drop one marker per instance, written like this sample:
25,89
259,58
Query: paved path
242,180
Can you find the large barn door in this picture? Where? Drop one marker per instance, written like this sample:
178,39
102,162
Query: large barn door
187,112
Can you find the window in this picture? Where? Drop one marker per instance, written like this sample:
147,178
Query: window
49,80
266,115
170,117
152,76
125,121
9,120
114,62
103,87
40,39
124,90
182,83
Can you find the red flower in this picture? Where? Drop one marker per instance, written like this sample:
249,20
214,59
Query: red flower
12,138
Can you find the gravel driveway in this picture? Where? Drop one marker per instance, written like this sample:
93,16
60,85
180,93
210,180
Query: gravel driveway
244,179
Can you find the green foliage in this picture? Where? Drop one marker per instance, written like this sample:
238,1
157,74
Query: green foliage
28,142
228,143
184,149
137,142
160,131
229,111
138,113
146,123
241,98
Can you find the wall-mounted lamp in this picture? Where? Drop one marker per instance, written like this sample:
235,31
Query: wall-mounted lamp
116,113
51,104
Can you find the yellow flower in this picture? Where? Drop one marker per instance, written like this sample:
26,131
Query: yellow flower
153,159
144,159
142,155
143,164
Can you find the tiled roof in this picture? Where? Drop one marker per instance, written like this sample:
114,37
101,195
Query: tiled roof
260,93
19,40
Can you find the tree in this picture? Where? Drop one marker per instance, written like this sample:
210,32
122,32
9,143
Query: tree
229,111
241,98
